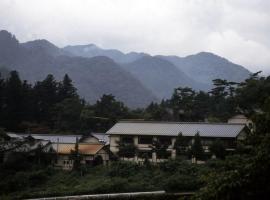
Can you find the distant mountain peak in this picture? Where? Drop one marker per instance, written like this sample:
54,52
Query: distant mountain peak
39,43
6,37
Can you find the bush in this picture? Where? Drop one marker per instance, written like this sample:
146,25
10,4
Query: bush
123,169
178,183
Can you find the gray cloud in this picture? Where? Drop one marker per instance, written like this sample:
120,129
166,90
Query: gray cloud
236,29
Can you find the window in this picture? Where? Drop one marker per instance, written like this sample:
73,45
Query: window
165,140
145,139
127,139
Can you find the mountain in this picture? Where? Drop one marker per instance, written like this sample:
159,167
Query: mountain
202,67
92,50
160,76
134,78
101,75
44,46
92,76
205,67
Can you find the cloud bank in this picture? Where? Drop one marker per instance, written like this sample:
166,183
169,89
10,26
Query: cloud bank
236,29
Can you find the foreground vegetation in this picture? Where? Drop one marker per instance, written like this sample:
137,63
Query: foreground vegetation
17,182
244,176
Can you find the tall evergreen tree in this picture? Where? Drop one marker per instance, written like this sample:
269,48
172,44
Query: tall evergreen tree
197,148
76,156
66,89
181,144
182,103
2,97
13,108
45,93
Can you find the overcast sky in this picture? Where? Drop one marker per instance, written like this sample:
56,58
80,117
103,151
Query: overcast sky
236,29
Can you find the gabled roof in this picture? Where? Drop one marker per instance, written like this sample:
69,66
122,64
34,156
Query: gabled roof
84,148
174,128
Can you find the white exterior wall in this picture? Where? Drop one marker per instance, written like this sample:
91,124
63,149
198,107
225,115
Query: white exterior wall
114,139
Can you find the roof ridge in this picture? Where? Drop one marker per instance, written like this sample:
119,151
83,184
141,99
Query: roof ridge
51,135
170,122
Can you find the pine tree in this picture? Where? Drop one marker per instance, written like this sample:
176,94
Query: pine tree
76,156
45,94
181,144
197,148
66,89
13,108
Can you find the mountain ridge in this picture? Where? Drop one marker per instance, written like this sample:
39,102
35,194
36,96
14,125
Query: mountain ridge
96,71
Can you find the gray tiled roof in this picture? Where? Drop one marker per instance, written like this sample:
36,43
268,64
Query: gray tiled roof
174,128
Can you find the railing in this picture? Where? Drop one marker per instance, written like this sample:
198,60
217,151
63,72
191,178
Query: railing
129,195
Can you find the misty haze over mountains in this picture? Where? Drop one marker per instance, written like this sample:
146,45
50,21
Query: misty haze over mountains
134,78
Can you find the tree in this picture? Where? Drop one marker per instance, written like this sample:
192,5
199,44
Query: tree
66,89
45,94
197,148
108,107
66,114
3,135
217,148
159,112
127,150
160,149
13,102
76,156
182,103
240,177
2,97
181,144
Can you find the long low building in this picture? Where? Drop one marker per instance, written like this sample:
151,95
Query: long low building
143,133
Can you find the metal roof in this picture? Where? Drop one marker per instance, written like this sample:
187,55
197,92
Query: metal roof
174,128
56,138
85,149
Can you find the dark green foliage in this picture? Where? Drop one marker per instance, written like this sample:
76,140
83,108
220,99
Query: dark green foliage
158,112
182,104
240,177
217,148
110,110
181,144
160,149
76,156
245,176
197,148
66,114
126,150
13,102
97,161
66,89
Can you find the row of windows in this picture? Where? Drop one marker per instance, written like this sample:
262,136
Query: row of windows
168,140
146,140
